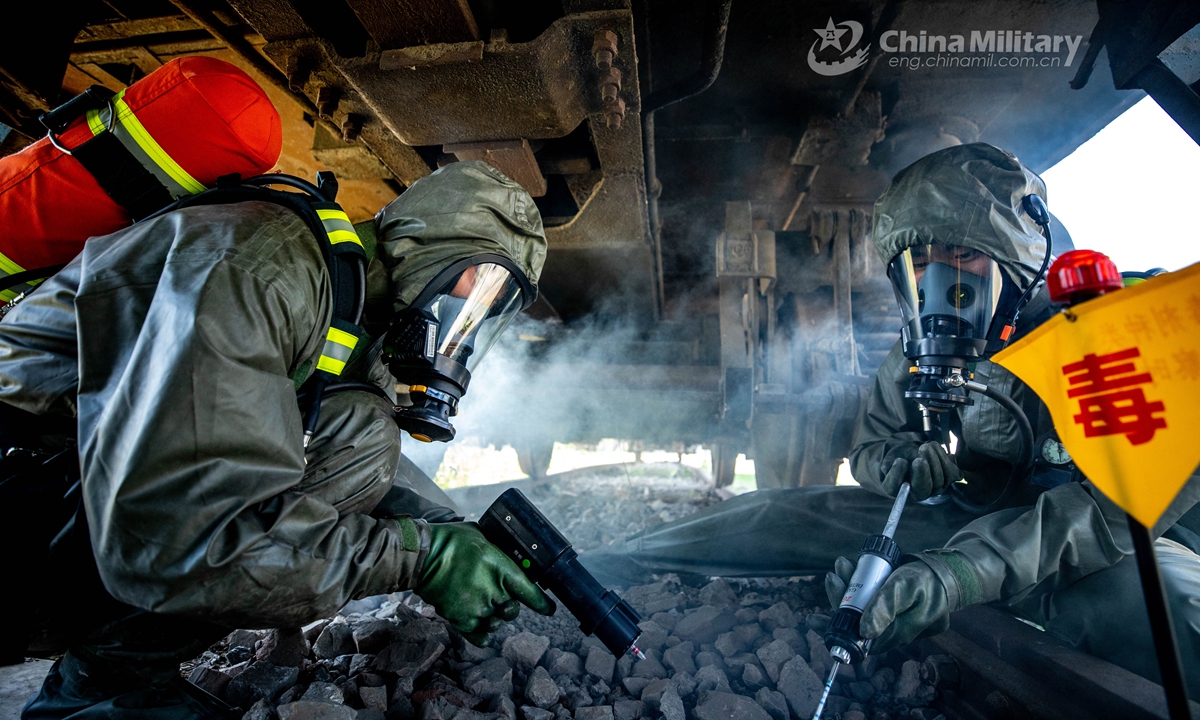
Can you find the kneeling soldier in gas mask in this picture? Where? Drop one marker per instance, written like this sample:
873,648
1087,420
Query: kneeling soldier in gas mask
963,254
206,496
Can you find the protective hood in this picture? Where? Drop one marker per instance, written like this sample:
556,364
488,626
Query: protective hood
462,210
967,195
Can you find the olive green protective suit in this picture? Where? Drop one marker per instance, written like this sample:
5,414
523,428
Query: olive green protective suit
179,344
1060,556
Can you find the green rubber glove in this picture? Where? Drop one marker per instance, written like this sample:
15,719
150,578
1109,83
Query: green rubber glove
473,585
929,471
912,603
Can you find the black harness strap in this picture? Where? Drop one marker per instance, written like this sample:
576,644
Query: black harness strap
122,176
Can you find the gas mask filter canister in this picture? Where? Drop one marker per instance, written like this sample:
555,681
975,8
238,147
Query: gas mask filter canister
435,343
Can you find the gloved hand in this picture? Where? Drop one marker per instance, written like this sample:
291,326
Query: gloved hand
929,471
473,585
913,602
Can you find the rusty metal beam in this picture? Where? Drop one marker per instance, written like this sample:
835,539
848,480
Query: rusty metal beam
514,158
405,23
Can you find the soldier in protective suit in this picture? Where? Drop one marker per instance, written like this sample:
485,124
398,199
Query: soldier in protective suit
1055,551
176,347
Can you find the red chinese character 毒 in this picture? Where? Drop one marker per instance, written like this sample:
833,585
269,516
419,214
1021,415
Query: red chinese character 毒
1110,403
1095,371
1125,412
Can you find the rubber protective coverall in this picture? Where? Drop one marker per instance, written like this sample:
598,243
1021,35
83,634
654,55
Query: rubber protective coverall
179,345
1059,556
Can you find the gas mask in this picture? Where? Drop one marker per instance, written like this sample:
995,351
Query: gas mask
435,343
959,308
948,297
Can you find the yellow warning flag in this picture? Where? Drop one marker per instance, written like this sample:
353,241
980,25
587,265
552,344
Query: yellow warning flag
1121,377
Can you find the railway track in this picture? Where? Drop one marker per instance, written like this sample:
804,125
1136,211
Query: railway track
1005,669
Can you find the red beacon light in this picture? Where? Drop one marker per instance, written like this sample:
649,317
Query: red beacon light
1079,275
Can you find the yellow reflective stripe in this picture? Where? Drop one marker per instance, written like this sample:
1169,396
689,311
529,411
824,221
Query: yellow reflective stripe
8,266
333,214
341,337
341,236
95,124
148,145
330,365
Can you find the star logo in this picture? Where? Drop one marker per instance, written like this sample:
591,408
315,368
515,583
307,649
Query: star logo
830,35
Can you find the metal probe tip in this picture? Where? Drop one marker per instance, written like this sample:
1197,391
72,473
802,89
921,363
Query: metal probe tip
633,650
825,693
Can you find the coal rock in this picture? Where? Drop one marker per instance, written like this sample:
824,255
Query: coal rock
652,694
489,679
909,688
710,679
627,710
649,668
292,694
503,707
665,620
727,706
422,629
801,686
736,662
474,654
818,623
261,681
817,652
443,688
653,637
260,710
685,684
794,640
541,690
535,713
882,680
337,639
705,657
284,647
600,664
752,677
323,692
409,659
778,616
671,705
438,709
595,712
210,680
624,667
860,691
239,654
729,644
679,658
773,656
635,685
746,615
360,662
524,650
306,710
853,715
373,636
559,662
718,593
401,709
704,625
773,702
374,697
242,638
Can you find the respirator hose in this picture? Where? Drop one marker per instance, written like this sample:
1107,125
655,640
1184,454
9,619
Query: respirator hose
1020,468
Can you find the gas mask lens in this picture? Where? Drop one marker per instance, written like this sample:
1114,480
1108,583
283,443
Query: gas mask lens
945,291
473,312
435,343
